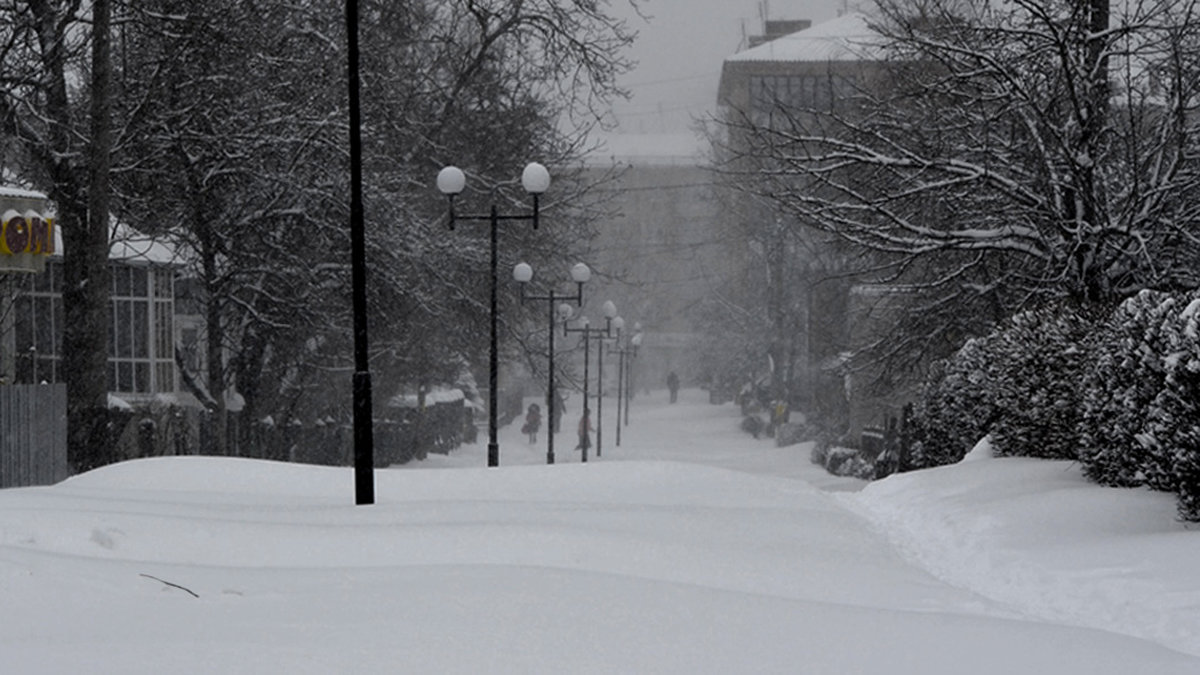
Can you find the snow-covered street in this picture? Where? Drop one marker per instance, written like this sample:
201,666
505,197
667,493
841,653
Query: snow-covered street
690,548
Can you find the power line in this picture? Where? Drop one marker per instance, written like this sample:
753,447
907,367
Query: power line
669,80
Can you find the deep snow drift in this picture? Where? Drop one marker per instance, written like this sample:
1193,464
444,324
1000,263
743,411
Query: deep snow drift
690,548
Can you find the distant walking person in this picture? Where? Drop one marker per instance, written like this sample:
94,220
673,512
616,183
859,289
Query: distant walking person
673,385
533,422
585,427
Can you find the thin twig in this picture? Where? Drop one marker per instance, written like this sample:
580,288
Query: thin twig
182,588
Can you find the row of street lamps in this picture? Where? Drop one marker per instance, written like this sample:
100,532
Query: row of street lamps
451,181
523,274
611,322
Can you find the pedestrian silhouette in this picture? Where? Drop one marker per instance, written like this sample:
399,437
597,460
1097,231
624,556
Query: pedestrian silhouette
533,422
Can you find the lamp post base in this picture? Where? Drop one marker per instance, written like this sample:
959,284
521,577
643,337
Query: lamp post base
493,454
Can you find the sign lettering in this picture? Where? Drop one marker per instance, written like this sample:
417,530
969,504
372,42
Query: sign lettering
26,233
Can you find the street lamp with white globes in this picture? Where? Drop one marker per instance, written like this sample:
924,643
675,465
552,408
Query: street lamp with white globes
451,181
580,274
618,325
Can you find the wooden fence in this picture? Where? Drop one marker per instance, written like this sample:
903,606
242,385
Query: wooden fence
33,434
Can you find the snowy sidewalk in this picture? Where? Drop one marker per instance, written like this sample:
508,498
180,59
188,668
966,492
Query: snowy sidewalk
1031,536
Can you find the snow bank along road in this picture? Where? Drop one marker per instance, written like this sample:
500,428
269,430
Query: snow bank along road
690,549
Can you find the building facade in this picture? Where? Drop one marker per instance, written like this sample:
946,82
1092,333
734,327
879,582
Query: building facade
143,325
659,251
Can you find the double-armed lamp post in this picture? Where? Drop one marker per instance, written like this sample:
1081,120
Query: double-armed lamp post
625,353
451,182
611,322
580,274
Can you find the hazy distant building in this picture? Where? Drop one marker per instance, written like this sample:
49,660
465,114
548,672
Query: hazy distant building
792,68
656,254
810,69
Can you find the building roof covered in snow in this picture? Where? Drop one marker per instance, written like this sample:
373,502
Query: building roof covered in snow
846,38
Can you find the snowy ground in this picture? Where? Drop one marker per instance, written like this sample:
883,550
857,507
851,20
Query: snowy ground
691,548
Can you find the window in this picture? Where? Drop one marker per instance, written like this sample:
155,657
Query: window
38,326
772,94
141,330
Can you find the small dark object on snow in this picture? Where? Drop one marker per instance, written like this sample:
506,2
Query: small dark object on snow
752,424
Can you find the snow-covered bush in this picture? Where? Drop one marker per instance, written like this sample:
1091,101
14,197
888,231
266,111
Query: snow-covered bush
1040,358
955,408
841,461
1127,376
1020,383
1122,395
1174,419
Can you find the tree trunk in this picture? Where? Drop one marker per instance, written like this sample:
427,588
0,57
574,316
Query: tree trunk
90,435
218,437
1093,285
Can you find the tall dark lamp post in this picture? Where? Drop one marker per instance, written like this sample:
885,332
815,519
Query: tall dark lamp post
364,443
620,351
580,274
589,334
451,181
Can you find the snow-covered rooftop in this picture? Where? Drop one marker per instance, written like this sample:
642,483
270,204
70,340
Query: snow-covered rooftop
130,245
846,38
125,242
9,191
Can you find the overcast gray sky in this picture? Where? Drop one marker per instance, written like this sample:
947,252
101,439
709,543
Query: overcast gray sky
680,49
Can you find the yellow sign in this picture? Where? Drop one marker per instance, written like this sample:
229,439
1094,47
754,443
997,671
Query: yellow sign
26,236
26,232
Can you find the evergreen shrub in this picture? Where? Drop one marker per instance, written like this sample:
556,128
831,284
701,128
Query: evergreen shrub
1174,417
955,408
1040,358
1122,395
1127,376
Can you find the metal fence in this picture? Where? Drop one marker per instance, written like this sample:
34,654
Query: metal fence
404,435
33,434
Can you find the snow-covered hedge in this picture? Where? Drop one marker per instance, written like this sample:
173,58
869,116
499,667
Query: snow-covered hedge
1120,393
1019,384
1041,356
1175,414
1127,376
955,409
1144,399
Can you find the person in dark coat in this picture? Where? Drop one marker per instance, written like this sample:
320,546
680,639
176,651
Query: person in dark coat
533,422
585,427
673,385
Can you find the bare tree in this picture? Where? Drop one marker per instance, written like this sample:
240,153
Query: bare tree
233,142
43,56
990,155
